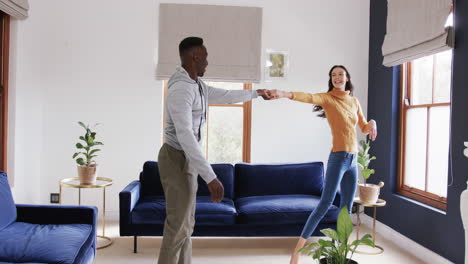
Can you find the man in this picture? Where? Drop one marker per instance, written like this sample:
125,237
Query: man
180,158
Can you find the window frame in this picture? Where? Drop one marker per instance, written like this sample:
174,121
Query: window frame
405,94
4,70
247,122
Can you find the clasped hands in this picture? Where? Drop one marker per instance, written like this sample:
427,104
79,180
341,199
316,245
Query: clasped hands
272,94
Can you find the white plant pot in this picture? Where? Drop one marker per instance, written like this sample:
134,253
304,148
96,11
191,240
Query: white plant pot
369,193
87,174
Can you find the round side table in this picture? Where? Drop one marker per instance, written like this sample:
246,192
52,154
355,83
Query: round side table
379,203
101,182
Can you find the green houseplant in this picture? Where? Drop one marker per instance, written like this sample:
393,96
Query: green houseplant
340,250
86,152
368,193
364,160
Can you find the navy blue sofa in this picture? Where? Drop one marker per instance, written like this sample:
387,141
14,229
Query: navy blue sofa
36,234
259,200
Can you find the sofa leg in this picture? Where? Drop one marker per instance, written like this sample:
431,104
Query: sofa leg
134,244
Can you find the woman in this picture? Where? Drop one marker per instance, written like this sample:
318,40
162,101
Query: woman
343,112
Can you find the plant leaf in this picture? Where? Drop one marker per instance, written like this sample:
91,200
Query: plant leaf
94,151
330,233
326,243
78,145
82,125
367,240
80,161
344,225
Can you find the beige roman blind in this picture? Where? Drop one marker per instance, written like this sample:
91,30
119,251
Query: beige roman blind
416,28
231,34
15,8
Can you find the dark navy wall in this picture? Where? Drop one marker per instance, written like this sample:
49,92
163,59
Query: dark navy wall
441,232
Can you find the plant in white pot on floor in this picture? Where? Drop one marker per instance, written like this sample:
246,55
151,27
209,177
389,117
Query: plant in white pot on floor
340,249
84,157
368,193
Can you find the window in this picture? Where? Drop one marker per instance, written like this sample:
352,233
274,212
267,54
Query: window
425,129
4,58
227,130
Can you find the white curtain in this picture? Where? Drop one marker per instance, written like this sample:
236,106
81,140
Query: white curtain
231,34
15,8
416,28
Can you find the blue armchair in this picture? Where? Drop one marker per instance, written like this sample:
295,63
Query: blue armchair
45,233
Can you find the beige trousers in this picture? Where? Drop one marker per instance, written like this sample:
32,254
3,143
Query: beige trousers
180,188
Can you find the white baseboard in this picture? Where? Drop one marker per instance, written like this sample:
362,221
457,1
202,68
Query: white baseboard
404,242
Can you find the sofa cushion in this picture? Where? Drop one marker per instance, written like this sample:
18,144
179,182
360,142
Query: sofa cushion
209,213
149,210
152,210
7,205
151,183
24,242
281,209
225,174
149,178
278,179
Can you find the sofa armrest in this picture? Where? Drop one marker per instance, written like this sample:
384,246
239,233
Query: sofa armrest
56,214
128,198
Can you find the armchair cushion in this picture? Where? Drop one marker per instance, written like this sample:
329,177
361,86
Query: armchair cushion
56,214
281,209
25,242
22,263
7,205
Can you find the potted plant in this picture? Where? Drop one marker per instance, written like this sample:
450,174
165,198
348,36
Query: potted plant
340,250
87,167
368,193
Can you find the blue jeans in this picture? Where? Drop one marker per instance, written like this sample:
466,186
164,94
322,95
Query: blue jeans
341,170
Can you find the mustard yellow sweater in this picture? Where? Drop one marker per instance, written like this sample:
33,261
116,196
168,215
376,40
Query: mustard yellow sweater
343,112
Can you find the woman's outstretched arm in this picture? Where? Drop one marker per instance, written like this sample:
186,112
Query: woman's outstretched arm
317,99
276,94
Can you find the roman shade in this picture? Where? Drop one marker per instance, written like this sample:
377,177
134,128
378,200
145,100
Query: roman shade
231,34
416,28
15,8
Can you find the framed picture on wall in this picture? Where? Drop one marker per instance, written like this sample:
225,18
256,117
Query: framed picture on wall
276,65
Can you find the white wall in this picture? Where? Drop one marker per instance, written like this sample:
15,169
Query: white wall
94,61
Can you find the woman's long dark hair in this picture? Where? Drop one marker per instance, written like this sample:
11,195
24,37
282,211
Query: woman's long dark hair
348,87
